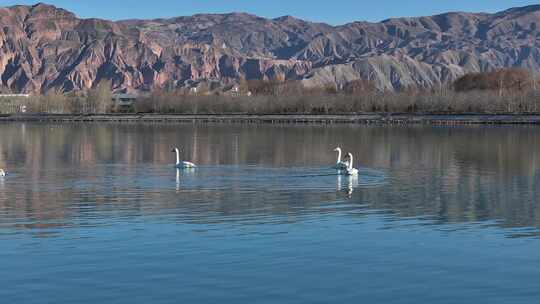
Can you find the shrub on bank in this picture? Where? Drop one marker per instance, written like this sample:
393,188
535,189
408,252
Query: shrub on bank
506,91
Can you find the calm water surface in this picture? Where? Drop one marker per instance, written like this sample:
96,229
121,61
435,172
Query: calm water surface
97,213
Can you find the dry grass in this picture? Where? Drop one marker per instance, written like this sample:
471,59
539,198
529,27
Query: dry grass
420,102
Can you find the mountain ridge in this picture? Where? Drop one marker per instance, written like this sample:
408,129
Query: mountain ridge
43,48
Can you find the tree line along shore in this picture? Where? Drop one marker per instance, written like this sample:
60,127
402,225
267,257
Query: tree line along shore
507,91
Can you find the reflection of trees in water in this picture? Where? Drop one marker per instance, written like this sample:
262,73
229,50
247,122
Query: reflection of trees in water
471,198
453,174
510,149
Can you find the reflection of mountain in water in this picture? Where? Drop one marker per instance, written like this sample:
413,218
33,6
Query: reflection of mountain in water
75,173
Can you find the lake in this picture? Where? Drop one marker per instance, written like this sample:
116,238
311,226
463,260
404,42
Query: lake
97,213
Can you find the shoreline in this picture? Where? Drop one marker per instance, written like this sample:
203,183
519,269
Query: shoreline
365,118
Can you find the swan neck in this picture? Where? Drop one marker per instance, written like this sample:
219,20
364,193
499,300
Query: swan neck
351,160
338,155
177,156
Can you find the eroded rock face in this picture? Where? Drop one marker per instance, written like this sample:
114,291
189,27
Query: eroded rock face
43,47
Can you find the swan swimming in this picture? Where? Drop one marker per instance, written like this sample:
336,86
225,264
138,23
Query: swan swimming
340,165
2,173
182,164
350,170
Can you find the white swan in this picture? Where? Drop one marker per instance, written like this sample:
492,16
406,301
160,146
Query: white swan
340,165
350,170
2,173
182,164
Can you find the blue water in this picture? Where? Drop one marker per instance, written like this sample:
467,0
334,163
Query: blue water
97,214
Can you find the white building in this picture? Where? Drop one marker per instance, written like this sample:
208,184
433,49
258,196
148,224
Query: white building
124,99
14,95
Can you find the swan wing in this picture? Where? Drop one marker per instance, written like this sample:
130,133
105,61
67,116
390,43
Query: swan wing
188,165
351,172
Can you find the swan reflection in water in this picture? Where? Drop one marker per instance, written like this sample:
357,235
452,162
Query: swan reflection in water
3,190
178,180
179,173
351,183
3,174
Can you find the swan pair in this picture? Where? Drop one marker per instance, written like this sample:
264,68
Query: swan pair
182,164
346,165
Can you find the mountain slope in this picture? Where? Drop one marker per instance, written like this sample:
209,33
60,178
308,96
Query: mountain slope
43,47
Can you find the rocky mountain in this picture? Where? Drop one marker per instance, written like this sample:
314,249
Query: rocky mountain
43,47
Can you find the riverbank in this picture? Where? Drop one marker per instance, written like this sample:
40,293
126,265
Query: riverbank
366,118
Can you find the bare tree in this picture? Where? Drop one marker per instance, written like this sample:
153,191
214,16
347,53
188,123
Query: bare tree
99,98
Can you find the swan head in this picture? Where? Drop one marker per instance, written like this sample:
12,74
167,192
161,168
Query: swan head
175,150
338,149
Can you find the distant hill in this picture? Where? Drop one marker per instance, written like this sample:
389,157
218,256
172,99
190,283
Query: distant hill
43,47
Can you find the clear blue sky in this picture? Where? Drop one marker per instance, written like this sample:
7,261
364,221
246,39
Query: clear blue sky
334,12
